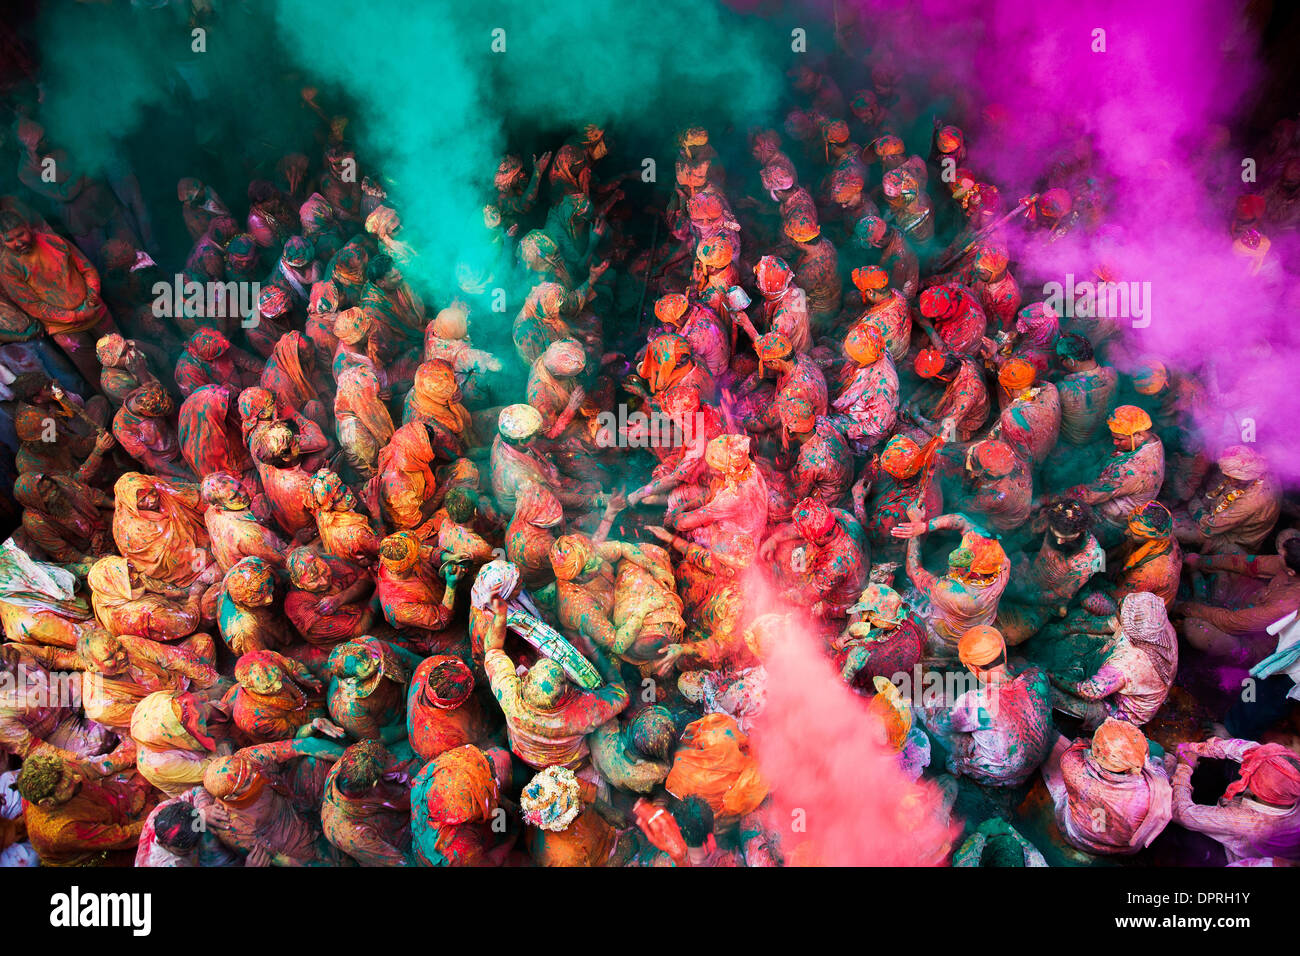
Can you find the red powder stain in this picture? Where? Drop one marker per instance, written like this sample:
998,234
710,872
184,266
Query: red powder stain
839,795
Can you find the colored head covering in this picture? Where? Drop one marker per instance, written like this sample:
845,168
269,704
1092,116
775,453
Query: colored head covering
1150,377
778,175
273,301
901,457
351,325
728,454
773,345
864,344
1055,203
801,225
452,322
846,184
1128,420
400,552
1119,747
704,207
110,349
892,710
992,259
1271,772
570,555
298,251
665,357
929,363
987,556
948,139
1151,522
564,358
773,276
870,278
435,381
882,605
1038,324
888,145
714,253
250,582
111,577
208,344
870,231
937,302
1242,463
981,645
256,404
897,182
797,415
519,422
1144,620
670,308
995,458
327,489
495,579
552,799
1016,374
812,519
220,488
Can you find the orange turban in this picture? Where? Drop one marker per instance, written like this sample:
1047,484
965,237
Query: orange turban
801,226
351,325
666,356
987,556
773,345
1128,420
400,552
250,581
670,308
871,277
728,454
981,646
1016,374
948,139
1119,747
893,711
901,457
864,344
797,415
1150,378
715,253
569,555
929,363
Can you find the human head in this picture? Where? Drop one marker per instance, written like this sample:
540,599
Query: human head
1119,747
15,234
694,819
545,685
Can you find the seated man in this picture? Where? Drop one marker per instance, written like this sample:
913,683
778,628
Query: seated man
1111,796
74,820
999,733
547,718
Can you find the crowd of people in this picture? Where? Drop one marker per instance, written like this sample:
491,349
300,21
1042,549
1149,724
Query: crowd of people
338,574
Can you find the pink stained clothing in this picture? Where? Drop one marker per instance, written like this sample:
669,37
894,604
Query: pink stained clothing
892,318
866,408
1032,423
1103,812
